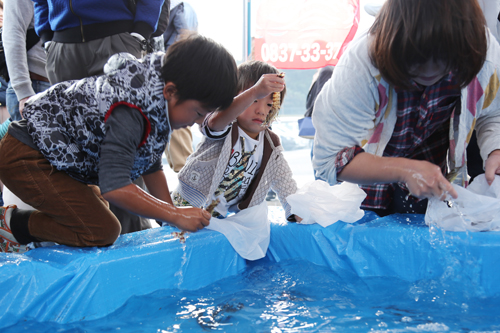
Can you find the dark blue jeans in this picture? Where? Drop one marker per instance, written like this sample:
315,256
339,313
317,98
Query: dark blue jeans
13,103
3,89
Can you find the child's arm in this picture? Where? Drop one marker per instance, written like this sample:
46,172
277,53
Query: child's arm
124,131
284,185
157,186
137,201
267,84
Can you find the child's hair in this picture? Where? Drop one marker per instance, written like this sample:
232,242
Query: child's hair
411,32
250,72
202,70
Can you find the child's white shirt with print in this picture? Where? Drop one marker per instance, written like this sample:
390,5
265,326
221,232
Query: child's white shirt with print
243,165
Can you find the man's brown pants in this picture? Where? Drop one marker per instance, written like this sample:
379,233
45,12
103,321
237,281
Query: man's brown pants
67,211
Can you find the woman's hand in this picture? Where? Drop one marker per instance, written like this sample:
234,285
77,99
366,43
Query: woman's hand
425,180
492,166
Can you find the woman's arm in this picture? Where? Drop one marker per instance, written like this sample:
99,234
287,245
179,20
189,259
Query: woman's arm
424,179
344,112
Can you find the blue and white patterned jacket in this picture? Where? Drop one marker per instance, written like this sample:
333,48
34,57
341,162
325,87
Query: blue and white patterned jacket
67,121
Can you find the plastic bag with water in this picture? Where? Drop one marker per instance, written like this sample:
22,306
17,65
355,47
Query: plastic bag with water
318,202
477,208
248,231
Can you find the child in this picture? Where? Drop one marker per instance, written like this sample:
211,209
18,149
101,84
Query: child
107,131
237,163
397,115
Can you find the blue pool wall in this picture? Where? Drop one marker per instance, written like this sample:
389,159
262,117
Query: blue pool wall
65,285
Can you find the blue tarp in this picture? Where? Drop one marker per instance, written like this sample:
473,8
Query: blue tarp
400,246
64,284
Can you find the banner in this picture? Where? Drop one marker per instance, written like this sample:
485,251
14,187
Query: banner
304,34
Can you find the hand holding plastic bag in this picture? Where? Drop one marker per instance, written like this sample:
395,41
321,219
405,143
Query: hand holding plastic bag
248,231
477,208
318,202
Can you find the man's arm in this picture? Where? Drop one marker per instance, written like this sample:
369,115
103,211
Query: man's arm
18,15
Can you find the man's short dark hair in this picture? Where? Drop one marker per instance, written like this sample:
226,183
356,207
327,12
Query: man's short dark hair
411,32
202,70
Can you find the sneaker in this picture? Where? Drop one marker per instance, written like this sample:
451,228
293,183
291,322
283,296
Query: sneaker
8,243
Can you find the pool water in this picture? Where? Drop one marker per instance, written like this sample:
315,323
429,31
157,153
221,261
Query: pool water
298,296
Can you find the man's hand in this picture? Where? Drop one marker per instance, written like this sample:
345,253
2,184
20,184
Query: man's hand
21,104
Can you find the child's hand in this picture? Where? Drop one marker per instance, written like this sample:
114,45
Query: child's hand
298,218
267,84
191,218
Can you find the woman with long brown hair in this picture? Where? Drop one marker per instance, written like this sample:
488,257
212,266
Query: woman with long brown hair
397,115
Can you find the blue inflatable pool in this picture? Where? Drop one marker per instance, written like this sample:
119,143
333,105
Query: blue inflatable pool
67,285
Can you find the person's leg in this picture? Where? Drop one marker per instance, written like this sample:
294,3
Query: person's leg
71,61
179,148
104,48
39,86
67,61
12,103
74,61
3,89
68,212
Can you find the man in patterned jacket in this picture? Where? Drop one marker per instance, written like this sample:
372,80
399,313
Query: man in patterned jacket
108,130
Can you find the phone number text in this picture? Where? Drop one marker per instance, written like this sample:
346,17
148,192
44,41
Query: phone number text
289,52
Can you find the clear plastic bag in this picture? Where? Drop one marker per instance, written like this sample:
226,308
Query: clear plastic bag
477,208
248,231
318,202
